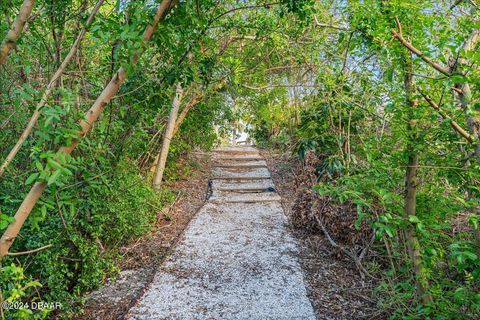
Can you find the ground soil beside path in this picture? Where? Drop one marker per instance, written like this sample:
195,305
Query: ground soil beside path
334,286
142,257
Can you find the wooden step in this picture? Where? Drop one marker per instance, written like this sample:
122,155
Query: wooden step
246,190
261,184
237,152
241,178
240,164
247,198
238,159
232,172
239,167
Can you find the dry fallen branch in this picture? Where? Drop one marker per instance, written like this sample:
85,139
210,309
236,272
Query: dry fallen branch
313,212
350,253
170,208
310,212
14,254
5,123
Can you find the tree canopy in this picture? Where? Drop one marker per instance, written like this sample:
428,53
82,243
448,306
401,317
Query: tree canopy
385,93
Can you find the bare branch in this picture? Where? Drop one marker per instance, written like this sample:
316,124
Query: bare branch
271,86
453,123
329,25
398,35
427,77
456,3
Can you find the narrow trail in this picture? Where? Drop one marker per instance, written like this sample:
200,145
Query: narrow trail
237,258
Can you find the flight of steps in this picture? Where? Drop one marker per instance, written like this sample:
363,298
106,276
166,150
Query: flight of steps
240,174
237,258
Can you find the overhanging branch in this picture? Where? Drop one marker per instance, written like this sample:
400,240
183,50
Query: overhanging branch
453,123
399,35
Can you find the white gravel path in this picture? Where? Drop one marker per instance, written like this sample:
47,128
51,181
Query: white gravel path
236,260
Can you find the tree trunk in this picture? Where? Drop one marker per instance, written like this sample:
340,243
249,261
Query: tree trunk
167,137
464,97
178,123
90,117
14,33
464,94
462,89
413,245
189,106
196,98
36,114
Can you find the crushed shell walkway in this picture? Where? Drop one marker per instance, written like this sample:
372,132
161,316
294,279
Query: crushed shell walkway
237,258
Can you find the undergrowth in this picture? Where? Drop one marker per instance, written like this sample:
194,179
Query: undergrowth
85,224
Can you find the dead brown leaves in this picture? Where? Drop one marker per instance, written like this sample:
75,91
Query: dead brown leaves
310,210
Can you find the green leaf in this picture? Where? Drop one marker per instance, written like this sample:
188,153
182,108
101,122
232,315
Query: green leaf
32,178
53,178
361,216
54,164
413,219
389,231
33,284
473,221
39,166
3,224
470,255
43,211
389,74
5,220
